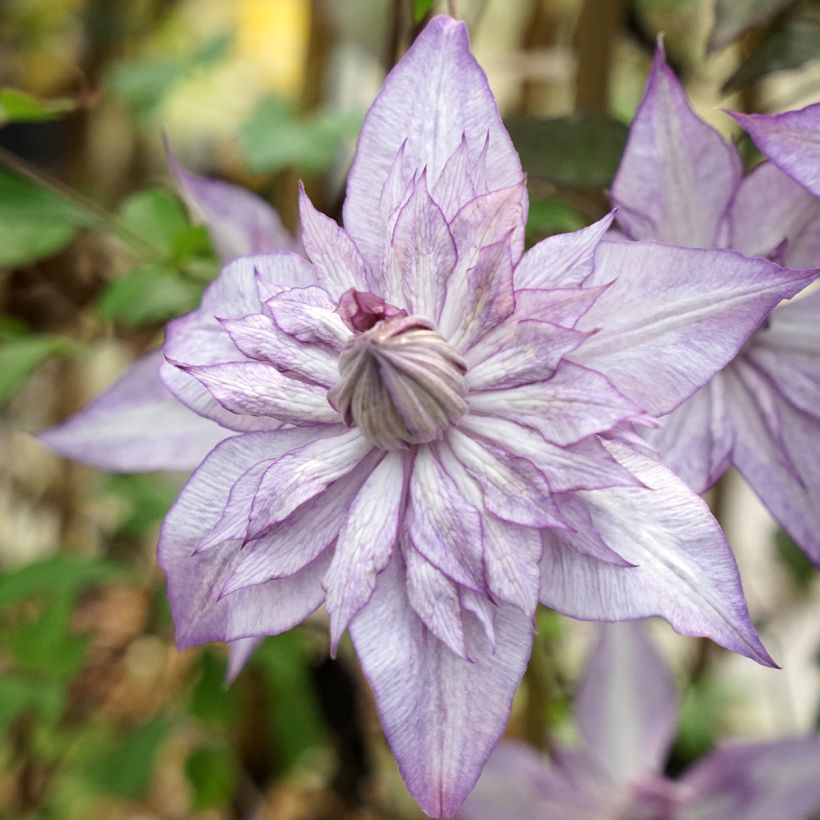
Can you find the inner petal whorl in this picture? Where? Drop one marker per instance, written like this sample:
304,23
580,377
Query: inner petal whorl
400,383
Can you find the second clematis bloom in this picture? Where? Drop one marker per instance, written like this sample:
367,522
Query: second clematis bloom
434,430
679,182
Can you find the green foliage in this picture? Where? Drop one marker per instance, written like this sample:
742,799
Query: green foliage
212,773
733,18
20,355
157,216
578,151
34,222
148,498
275,137
422,8
123,767
551,216
143,84
19,106
213,702
800,568
295,720
701,710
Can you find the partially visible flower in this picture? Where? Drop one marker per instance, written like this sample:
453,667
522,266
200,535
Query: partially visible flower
435,430
791,140
679,182
626,710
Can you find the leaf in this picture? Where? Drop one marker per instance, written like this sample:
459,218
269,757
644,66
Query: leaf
157,216
551,216
797,563
274,137
212,701
148,497
20,106
125,769
34,222
790,44
212,773
578,151
149,294
421,8
734,18
19,356
23,693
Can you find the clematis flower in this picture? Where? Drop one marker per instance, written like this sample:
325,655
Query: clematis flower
435,429
679,182
791,140
626,711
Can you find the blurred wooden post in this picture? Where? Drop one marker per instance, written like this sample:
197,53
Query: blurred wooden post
598,26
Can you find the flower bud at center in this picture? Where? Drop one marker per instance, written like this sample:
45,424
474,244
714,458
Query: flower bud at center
400,383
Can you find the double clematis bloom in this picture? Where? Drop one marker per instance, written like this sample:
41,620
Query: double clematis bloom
433,430
626,711
679,182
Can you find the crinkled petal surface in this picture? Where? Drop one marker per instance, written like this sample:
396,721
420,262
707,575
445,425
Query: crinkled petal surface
442,715
790,140
136,426
683,568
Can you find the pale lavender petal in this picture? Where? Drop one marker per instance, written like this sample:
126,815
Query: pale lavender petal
424,254
259,389
435,97
195,580
302,473
365,544
770,208
677,175
756,781
239,222
695,440
239,653
562,261
573,404
664,335
626,704
684,570
444,527
334,255
258,337
455,184
560,306
136,425
200,339
790,140
442,715
309,315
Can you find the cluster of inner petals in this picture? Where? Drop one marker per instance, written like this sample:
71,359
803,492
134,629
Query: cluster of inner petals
399,382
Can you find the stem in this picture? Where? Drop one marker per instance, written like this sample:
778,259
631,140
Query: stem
598,27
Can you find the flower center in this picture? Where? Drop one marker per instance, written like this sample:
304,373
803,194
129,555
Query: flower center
400,383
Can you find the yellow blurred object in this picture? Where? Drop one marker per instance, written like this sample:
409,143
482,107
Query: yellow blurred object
273,34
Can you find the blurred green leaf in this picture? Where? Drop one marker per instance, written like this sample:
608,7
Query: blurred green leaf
149,294
296,721
791,43
34,222
148,497
735,17
144,83
23,693
578,151
212,701
157,216
212,773
700,722
421,8
550,216
125,768
274,137
799,566
20,355
19,106
52,576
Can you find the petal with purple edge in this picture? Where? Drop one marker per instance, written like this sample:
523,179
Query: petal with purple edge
365,543
434,97
136,425
791,140
684,570
195,581
309,315
562,261
756,781
626,704
677,175
239,222
664,335
239,653
428,698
